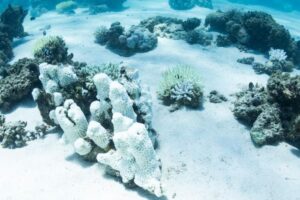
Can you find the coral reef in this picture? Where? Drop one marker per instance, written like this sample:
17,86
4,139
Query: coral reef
126,43
14,134
181,86
246,61
254,30
173,28
52,50
107,109
277,63
18,82
10,27
271,112
215,97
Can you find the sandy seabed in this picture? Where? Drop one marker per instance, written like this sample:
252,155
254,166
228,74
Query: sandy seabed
206,154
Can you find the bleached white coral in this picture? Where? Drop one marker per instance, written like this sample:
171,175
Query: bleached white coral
120,122
135,159
58,98
82,147
72,120
35,93
277,55
102,83
144,104
120,100
54,76
182,91
98,134
100,111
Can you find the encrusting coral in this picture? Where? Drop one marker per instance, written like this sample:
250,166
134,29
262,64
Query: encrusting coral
273,111
181,86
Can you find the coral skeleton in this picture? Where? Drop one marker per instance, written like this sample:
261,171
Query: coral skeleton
277,55
102,113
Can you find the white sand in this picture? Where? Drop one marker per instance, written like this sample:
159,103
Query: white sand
206,154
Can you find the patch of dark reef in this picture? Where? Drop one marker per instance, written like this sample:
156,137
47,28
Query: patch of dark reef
14,134
272,112
10,27
253,30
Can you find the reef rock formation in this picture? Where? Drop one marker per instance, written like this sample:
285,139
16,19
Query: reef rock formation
126,43
14,134
10,27
271,112
177,29
255,30
52,50
18,82
215,97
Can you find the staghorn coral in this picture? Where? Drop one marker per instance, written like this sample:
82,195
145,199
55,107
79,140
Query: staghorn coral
181,86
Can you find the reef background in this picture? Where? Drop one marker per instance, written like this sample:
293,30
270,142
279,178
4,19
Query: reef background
206,155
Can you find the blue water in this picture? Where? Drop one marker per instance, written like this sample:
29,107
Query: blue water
284,5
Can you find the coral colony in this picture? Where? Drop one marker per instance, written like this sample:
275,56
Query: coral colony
104,110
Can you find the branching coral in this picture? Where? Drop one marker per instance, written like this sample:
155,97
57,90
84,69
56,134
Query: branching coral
117,109
181,86
277,55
